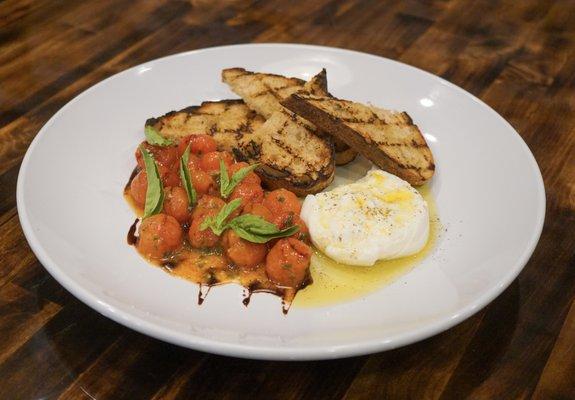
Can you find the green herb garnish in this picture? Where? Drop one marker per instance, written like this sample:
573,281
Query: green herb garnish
155,189
218,223
228,185
154,137
185,176
247,226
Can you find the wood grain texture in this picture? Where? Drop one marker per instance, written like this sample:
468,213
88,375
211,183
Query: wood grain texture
519,57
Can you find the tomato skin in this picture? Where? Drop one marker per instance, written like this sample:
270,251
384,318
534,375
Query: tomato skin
252,177
287,262
170,176
193,162
163,155
248,192
210,162
199,144
207,206
202,181
288,219
201,238
242,252
159,234
281,201
260,210
176,203
139,188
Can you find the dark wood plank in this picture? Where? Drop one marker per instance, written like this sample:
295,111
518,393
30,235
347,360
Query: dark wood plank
519,57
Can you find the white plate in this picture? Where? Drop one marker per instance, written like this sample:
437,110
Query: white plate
488,189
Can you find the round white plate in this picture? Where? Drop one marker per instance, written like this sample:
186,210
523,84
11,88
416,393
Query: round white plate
488,190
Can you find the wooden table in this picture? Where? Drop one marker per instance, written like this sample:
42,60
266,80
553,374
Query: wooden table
519,57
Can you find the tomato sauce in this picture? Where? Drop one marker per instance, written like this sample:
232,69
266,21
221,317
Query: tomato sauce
174,240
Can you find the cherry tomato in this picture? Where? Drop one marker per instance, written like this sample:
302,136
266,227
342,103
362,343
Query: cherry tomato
164,155
210,162
252,177
194,162
242,252
208,205
288,219
199,144
248,192
201,238
176,203
139,188
169,175
202,181
260,210
281,200
159,234
287,262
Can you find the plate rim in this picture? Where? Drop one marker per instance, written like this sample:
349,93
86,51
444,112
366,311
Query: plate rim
267,352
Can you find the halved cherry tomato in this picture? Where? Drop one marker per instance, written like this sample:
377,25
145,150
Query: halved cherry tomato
242,252
287,262
210,162
252,177
281,200
176,203
248,192
159,234
199,144
207,206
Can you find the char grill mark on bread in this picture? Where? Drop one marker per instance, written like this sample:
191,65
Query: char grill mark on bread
388,138
264,92
227,121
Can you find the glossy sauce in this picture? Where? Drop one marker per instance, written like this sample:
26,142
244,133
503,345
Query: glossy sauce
332,282
335,283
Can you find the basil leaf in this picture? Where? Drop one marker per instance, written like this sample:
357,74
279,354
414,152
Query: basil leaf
218,224
224,179
154,137
257,230
227,185
155,189
186,178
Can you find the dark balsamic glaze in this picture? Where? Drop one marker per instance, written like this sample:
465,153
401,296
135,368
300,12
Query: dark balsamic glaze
132,238
170,264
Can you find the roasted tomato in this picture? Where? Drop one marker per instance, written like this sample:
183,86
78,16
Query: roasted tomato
199,144
202,181
210,162
207,206
252,177
163,155
242,252
288,219
281,201
139,188
159,235
248,192
176,203
260,210
287,262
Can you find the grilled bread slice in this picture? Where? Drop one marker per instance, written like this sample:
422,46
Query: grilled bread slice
277,144
227,121
388,138
264,92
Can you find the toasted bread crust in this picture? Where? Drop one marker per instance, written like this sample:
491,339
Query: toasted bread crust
238,129
369,131
264,92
